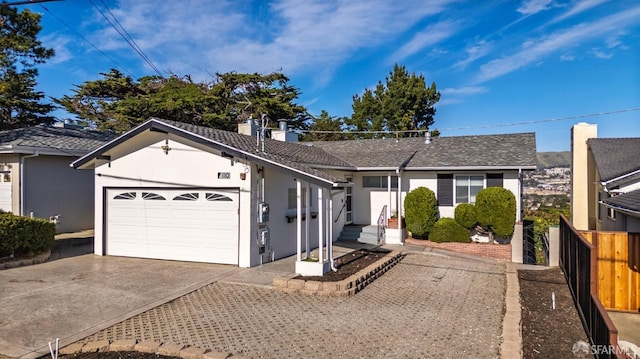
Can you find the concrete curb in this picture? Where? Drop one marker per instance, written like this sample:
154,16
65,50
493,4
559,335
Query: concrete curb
343,288
147,346
511,346
40,258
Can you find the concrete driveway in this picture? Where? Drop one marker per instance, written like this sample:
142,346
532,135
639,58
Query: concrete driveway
71,298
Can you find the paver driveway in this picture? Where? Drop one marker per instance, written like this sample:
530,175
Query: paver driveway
427,306
73,297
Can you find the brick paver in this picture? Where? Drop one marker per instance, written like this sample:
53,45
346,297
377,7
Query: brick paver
427,306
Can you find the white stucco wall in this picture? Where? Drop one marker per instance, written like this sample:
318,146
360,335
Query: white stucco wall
184,166
368,202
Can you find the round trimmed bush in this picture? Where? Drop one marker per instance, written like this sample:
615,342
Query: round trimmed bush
420,211
449,230
496,210
465,214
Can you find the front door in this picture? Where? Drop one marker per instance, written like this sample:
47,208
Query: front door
349,190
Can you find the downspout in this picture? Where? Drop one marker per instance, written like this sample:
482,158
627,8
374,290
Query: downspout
36,154
330,242
521,212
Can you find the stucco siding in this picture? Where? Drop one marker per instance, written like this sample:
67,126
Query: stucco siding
51,188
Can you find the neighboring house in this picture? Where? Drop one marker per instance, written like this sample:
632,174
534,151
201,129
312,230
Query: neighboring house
171,190
605,181
36,179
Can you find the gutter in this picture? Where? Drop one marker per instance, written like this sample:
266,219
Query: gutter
463,168
22,167
604,184
621,209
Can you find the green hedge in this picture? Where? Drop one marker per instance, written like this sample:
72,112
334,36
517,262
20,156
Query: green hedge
496,210
420,211
25,237
449,230
465,214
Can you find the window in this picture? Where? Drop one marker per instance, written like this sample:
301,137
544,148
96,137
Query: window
467,187
193,196
293,197
611,213
217,197
378,182
126,195
148,196
494,180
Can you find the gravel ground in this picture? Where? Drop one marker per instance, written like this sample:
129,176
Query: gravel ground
427,306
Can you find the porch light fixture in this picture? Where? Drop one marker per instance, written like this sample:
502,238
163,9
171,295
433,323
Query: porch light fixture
166,147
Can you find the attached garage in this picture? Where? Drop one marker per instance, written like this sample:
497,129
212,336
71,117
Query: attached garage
187,224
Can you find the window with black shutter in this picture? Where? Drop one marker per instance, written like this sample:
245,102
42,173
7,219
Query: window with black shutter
494,180
445,189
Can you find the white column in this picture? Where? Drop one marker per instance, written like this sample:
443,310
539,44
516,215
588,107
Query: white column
307,216
299,220
399,198
320,223
389,192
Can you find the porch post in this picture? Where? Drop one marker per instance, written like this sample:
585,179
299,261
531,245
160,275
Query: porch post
320,222
399,209
307,216
299,220
389,192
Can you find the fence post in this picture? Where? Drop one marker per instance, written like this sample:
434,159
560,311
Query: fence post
554,246
517,244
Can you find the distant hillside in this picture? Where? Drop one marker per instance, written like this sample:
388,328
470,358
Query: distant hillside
554,159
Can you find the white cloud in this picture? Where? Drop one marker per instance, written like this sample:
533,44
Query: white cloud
567,57
475,52
601,54
430,36
537,50
466,90
60,44
530,7
579,7
197,37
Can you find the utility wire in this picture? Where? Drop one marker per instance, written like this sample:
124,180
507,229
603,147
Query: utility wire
489,126
87,40
129,42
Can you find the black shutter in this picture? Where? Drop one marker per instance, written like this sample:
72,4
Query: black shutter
494,179
445,189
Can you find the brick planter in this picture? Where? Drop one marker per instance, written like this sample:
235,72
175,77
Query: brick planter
343,288
490,250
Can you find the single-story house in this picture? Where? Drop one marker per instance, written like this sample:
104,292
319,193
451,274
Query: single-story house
172,190
605,181
35,178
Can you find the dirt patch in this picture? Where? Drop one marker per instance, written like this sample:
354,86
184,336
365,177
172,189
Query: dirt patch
548,332
349,264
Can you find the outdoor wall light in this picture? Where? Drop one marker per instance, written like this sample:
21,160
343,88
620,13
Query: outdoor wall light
166,147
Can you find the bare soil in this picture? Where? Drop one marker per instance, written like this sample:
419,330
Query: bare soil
548,332
349,264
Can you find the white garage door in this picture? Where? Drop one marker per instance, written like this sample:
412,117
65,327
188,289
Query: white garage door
199,225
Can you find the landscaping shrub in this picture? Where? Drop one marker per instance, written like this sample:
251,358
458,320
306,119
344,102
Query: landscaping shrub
449,230
465,214
496,210
420,211
24,237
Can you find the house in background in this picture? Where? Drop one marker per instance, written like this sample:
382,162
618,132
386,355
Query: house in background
171,190
36,179
605,181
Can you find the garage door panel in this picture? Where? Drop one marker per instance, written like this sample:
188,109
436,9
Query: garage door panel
190,225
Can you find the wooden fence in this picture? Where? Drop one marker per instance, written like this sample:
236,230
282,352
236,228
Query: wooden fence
578,261
618,285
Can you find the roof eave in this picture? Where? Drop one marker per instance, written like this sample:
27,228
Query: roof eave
471,168
12,149
621,209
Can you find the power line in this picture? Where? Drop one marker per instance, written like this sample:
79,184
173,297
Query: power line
86,40
130,42
488,126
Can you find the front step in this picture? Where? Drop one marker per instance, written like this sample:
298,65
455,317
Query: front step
362,234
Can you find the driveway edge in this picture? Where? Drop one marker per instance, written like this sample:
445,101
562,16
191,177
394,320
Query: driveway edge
511,346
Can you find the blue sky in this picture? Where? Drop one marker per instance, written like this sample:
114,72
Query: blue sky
496,63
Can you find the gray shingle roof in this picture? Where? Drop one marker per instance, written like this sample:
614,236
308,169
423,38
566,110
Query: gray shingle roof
615,157
509,150
627,201
54,138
